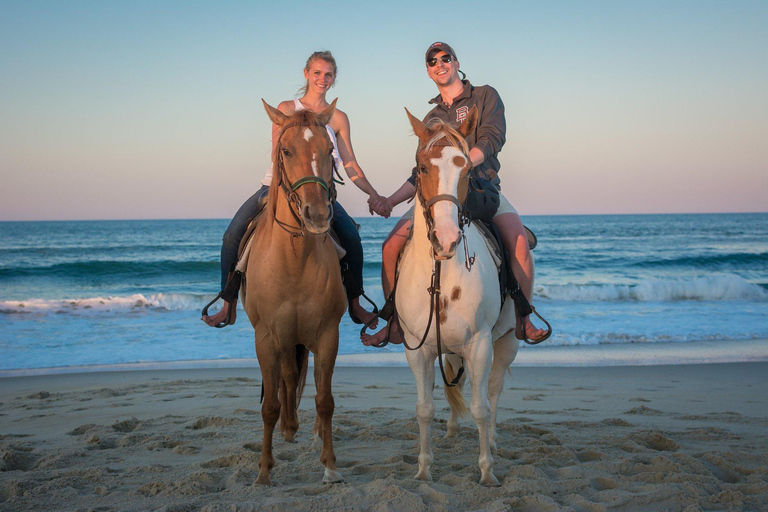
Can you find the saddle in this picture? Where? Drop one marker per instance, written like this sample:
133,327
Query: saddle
234,281
507,282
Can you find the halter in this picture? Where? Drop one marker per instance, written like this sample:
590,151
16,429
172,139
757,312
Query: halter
289,189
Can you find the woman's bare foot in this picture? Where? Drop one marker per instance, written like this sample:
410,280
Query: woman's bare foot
362,314
395,335
222,315
532,332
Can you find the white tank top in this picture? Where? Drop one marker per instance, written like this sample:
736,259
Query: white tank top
267,181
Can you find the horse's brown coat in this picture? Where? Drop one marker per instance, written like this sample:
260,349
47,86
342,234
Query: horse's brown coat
294,295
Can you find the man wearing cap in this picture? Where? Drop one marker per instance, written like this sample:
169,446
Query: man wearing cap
452,105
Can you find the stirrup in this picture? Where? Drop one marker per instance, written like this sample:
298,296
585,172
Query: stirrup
386,312
227,321
546,334
355,318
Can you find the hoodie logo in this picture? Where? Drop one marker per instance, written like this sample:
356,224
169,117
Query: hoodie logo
461,114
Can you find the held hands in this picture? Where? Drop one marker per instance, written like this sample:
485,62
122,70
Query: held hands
379,205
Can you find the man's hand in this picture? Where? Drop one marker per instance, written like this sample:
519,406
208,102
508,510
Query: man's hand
379,205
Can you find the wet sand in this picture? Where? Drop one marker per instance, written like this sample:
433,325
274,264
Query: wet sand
683,438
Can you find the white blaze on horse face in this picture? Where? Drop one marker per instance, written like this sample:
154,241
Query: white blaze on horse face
307,134
445,212
314,164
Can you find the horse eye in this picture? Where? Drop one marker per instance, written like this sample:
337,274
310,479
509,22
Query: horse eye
286,152
423,169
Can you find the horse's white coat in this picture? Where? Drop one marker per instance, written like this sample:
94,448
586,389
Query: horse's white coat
474,327
307,134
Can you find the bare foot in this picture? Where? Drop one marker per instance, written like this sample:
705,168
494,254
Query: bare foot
221,316
395,335
361,313
532,332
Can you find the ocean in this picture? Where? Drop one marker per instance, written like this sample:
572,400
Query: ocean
84,293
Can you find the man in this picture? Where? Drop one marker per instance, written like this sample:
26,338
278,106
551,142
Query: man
452,105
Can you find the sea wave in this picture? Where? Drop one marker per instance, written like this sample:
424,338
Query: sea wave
729,287
97,305
98,268
740,260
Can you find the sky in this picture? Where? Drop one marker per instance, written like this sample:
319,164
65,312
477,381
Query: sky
152,109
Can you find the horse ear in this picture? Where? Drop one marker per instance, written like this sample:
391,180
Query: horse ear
419,128
470,124
275,115
325,116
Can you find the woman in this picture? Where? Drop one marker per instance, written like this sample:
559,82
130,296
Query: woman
320,75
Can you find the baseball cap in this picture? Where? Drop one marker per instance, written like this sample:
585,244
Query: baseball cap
439,47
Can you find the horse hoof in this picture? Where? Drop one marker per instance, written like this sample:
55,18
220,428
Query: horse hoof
264,480
424,476
332,477
452,433
490,481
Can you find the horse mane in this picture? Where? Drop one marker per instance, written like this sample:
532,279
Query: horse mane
442,131
301,117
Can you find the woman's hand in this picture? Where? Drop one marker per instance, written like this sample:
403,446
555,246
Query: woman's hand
380,205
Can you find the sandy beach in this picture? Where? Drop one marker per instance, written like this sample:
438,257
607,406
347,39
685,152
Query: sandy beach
687,438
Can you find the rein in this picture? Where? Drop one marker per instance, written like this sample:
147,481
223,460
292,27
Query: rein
289,189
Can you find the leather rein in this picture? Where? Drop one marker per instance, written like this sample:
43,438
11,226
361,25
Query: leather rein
289,188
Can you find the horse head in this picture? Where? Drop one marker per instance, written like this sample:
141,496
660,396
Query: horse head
304,165
442,178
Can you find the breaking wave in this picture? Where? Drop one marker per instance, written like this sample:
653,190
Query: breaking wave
714,288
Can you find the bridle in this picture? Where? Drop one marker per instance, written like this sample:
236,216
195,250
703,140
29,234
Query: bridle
290,189
426,204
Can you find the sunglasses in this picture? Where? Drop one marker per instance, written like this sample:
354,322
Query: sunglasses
433,61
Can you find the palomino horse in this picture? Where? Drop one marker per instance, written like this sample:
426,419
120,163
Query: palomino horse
470,321
293,293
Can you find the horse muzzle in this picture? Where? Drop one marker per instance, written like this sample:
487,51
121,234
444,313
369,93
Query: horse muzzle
317,218
444,247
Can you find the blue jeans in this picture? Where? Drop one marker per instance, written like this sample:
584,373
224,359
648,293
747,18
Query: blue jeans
342,224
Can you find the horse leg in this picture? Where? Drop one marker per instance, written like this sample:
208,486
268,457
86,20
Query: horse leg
479,366
325,359
289,418
454,362
270,408
423,368
504,352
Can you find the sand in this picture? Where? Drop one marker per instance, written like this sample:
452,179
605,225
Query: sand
687,438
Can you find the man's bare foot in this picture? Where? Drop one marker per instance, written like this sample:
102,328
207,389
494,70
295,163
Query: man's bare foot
221,316
362,314
395,335
532,332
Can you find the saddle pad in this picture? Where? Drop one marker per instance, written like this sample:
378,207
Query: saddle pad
491,242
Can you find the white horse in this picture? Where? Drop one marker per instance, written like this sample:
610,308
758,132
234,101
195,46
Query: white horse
471,321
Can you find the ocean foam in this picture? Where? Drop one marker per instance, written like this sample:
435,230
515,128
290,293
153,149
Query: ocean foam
727,287
159,301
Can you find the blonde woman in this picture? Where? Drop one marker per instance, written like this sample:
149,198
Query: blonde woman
320,75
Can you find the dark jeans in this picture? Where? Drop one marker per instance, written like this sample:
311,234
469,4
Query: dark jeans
342,224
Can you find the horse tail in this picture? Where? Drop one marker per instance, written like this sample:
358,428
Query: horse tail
301,363
453,394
